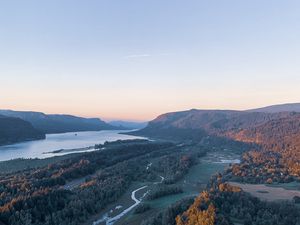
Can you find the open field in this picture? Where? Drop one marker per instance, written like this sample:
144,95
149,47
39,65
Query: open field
192,184
267,193
288,186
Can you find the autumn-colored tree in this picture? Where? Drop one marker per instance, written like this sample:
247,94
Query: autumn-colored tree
202,212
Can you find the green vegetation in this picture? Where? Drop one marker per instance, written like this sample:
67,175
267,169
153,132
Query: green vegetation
164,190
167,216
35,196
15,165
273,137
103,177
273,141
142,208
71,190
224,204
278,158
194,181
14,130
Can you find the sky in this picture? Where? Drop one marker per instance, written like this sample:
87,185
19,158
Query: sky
136,59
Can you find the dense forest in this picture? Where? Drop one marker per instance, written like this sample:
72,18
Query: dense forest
223,204
14,130
273,156
40,196
273,137
71,189
45,195
206,123
278,158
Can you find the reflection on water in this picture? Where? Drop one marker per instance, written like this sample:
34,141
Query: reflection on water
53,142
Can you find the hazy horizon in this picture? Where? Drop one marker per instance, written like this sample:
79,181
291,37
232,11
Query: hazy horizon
109,119
134,60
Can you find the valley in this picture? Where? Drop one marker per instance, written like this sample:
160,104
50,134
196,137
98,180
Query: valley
186,168
108,177
192,183
149,112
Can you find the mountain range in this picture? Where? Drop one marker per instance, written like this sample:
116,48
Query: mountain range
193,124
274,131
199,124
54,123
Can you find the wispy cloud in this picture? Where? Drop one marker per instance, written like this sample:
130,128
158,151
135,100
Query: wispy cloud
137,56
133,56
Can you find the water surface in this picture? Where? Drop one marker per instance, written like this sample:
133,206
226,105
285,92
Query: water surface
53,142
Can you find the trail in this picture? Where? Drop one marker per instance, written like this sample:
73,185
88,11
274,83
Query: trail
111,221
162,180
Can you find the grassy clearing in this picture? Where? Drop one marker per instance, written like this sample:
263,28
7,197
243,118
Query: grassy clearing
288,186
268,193
193,183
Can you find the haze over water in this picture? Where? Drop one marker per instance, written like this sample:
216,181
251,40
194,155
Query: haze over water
53,142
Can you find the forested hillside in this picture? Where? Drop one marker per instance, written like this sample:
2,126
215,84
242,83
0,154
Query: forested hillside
106,175
210,122
59,123
275,136
14,130
224,204
278,159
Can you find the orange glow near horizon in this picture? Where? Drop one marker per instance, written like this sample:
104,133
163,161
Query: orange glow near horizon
144,107
125,62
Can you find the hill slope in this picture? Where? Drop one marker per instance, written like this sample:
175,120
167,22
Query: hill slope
59,123
209,122
276,136
14,130
291,107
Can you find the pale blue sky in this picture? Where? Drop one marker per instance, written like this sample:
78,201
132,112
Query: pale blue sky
135,59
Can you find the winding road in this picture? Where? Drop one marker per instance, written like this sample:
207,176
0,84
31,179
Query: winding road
111,220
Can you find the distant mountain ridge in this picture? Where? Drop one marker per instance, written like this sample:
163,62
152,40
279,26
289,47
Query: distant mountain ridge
289,107
14,130
128,124
54,123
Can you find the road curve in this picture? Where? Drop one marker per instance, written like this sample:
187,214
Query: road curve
111,221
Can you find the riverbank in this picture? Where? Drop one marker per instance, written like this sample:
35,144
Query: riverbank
61,144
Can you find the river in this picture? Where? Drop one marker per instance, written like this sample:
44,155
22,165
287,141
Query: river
66,141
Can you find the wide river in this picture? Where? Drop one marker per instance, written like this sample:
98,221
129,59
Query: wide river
53,142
